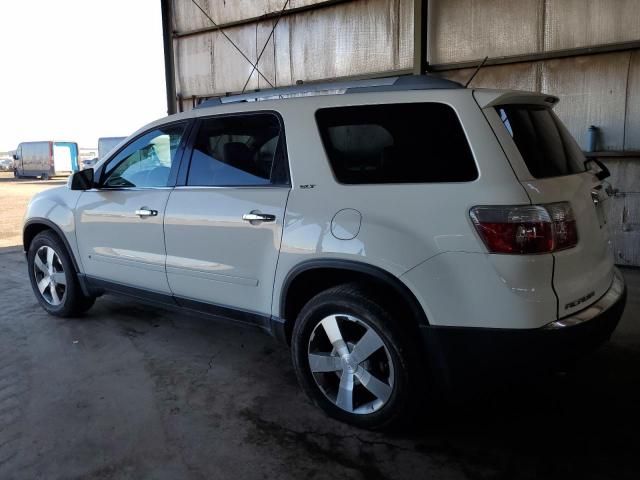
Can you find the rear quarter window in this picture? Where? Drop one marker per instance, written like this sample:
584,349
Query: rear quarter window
396,143
546,146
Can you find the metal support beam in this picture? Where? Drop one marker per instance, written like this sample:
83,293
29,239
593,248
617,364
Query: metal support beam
169,66
614,154
420,25
536,57
261,18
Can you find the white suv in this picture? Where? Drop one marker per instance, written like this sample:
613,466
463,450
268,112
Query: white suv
388,230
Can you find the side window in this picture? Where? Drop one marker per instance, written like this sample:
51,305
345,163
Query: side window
396,143
147,161
546,146
238,150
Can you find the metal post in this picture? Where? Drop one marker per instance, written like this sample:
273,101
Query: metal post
420,10
169,67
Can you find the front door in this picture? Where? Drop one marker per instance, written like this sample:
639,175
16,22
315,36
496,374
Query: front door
119,225
224,225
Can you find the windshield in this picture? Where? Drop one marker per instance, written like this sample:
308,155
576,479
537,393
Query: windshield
546,146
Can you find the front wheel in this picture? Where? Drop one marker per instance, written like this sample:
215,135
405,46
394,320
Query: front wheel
353,360
53,277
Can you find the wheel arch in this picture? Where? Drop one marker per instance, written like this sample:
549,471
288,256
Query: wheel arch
34,226
308,278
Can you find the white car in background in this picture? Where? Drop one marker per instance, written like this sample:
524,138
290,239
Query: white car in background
6,165
389,234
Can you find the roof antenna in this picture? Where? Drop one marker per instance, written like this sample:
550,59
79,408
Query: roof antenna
476,71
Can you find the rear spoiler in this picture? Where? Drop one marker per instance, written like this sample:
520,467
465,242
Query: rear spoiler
491,98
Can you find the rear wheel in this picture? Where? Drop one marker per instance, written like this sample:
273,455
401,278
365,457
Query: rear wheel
353,360
53,277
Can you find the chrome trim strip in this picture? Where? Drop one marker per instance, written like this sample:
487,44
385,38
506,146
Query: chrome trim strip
216,277
126,189
227,187
616,290
128,262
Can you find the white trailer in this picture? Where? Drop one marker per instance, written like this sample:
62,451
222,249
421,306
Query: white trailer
106,144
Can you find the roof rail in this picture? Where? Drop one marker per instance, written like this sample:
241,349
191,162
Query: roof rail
389,84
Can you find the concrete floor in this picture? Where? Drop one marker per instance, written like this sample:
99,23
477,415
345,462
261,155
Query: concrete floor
14,197
135,392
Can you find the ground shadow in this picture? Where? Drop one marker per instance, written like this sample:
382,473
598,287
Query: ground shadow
579,423
584,421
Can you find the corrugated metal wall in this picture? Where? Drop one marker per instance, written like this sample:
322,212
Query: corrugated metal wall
335,39
594,90
587,52
600,89
623,211
470,29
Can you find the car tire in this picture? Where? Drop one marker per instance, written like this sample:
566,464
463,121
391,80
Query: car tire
53,277
383,383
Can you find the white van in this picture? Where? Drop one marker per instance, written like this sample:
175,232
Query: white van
45,159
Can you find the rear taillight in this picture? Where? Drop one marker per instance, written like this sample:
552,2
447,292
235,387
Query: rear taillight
527,228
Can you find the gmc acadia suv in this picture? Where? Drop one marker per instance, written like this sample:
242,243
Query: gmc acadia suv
384,229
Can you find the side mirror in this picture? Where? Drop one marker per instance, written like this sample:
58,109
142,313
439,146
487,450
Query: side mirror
15,156
82,180
604,171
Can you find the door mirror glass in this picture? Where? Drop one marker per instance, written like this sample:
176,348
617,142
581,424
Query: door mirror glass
15,156
82,180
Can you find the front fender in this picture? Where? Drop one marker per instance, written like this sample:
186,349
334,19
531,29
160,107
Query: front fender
53,209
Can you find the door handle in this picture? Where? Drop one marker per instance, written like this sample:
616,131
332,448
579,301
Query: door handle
146,212
256,217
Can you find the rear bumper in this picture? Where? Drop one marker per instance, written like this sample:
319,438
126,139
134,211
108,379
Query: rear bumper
455,350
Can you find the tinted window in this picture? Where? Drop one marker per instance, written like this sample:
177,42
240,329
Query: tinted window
147,161
546,146
399,143
238,150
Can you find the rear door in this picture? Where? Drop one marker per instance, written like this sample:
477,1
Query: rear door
223,222
119,226
551,167
62,157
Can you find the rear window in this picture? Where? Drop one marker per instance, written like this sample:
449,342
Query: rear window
396,143
546,146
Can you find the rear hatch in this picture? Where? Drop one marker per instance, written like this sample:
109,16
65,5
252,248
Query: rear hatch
65,156
551,167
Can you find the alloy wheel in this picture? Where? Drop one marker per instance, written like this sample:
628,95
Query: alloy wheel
49,276
351,364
